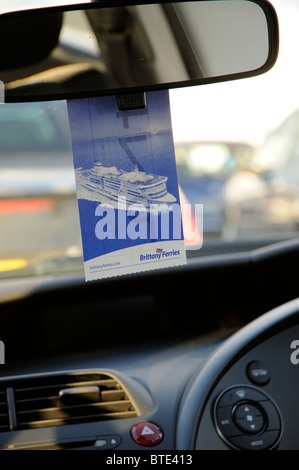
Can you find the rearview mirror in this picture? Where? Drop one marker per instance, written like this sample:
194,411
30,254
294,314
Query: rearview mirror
89,50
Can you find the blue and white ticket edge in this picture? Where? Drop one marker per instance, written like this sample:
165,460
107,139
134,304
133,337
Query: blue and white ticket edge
136,259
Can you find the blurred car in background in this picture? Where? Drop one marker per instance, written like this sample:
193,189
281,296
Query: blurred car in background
37,186
204,171
273,205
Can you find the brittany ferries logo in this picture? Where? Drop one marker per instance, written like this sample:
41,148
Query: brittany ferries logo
160,254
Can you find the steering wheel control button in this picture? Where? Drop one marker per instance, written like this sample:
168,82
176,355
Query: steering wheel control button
272,414
236,394
246,418
258,373
261,442
249,418
146,434
226,422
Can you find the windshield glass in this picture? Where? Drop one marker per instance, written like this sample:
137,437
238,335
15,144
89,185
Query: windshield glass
237,153
238,148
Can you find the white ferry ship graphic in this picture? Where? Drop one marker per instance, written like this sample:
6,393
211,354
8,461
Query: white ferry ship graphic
111,184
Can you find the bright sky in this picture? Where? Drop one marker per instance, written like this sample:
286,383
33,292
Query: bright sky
247,109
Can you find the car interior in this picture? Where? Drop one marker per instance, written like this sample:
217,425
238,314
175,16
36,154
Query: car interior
195,357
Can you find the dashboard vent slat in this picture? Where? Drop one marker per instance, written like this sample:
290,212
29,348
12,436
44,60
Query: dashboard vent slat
43,390
63,399
4,417
74,420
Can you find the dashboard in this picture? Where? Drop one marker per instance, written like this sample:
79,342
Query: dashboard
177,359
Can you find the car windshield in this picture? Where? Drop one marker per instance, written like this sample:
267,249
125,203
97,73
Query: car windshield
237,154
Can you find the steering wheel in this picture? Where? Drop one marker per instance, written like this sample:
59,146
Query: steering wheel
246,394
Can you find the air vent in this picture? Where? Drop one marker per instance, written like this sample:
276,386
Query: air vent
4,419
57,400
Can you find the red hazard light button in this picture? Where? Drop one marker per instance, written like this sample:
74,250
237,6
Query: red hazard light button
146,434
